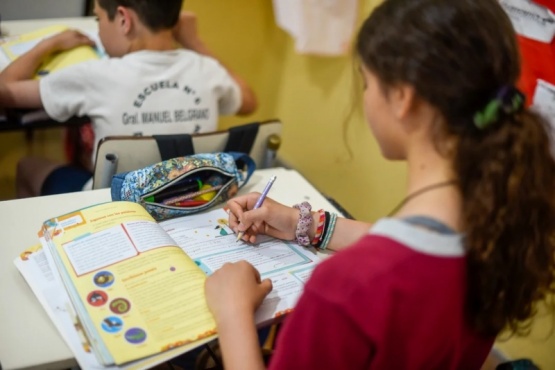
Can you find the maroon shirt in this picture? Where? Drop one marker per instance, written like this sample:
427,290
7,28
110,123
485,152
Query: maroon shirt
385,304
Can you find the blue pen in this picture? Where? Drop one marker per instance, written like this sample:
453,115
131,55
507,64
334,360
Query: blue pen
259,202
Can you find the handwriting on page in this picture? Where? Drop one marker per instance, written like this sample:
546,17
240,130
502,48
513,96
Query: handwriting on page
208,240
266,258
284,295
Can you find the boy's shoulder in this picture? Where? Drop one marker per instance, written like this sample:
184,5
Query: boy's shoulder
167,57
136,64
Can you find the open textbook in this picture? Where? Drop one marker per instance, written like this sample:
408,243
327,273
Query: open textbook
19,45
126,292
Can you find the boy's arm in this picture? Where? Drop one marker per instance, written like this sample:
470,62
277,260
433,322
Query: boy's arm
25,66
20,94
186,34
17,89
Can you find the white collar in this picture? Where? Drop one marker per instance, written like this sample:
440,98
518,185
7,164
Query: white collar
420,239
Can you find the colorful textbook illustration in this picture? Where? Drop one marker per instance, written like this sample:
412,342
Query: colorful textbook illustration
25,42
134,288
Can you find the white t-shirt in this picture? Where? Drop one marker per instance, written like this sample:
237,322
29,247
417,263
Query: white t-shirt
146,92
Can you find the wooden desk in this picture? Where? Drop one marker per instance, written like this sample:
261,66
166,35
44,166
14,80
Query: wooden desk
29,338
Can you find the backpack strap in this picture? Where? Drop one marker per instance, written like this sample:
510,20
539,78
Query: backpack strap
241,138
173,146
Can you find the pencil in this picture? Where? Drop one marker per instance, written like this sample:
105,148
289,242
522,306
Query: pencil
259,202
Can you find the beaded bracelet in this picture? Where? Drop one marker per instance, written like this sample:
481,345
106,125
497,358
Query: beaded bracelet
329,231
319,228
304,224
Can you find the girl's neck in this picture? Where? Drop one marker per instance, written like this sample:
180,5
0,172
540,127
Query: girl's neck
426,167
425,164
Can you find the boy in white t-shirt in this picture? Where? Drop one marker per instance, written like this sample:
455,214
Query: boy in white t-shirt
160,79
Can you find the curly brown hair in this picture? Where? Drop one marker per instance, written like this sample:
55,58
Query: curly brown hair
457,55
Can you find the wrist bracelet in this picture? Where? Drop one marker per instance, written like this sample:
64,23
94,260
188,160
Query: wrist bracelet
319,228
324,230
329,231
304,224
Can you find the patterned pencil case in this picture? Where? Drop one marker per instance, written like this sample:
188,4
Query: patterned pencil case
184,185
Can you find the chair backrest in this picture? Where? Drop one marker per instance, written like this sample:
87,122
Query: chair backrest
127,153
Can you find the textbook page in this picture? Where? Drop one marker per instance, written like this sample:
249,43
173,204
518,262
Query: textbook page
209,241
135,291
36,267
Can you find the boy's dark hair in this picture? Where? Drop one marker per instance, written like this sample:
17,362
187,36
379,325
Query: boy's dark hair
457,55
155,14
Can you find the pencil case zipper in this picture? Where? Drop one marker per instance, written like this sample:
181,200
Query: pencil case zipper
180,178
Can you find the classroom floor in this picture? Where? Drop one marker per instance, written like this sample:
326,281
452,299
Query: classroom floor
14,145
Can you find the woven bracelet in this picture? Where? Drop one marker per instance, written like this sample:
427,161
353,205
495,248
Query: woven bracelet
329,231
304,224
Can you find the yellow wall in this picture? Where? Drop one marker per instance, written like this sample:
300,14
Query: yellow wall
538,346
311,95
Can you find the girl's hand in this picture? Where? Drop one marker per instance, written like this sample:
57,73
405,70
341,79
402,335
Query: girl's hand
272,218
67,40
235,290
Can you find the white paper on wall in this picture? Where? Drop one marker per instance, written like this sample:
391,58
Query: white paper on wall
530,19
321,27
544,100
544,103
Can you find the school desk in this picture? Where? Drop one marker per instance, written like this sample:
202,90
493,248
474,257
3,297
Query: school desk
28,120
14,28
29,338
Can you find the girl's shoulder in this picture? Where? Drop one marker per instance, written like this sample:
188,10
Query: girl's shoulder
393,251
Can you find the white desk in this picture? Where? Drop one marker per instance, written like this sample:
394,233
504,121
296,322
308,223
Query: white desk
28,337
14,28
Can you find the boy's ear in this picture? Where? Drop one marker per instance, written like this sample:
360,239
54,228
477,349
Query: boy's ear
124,19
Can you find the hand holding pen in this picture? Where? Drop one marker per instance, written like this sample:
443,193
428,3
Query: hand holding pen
271,218
259,201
